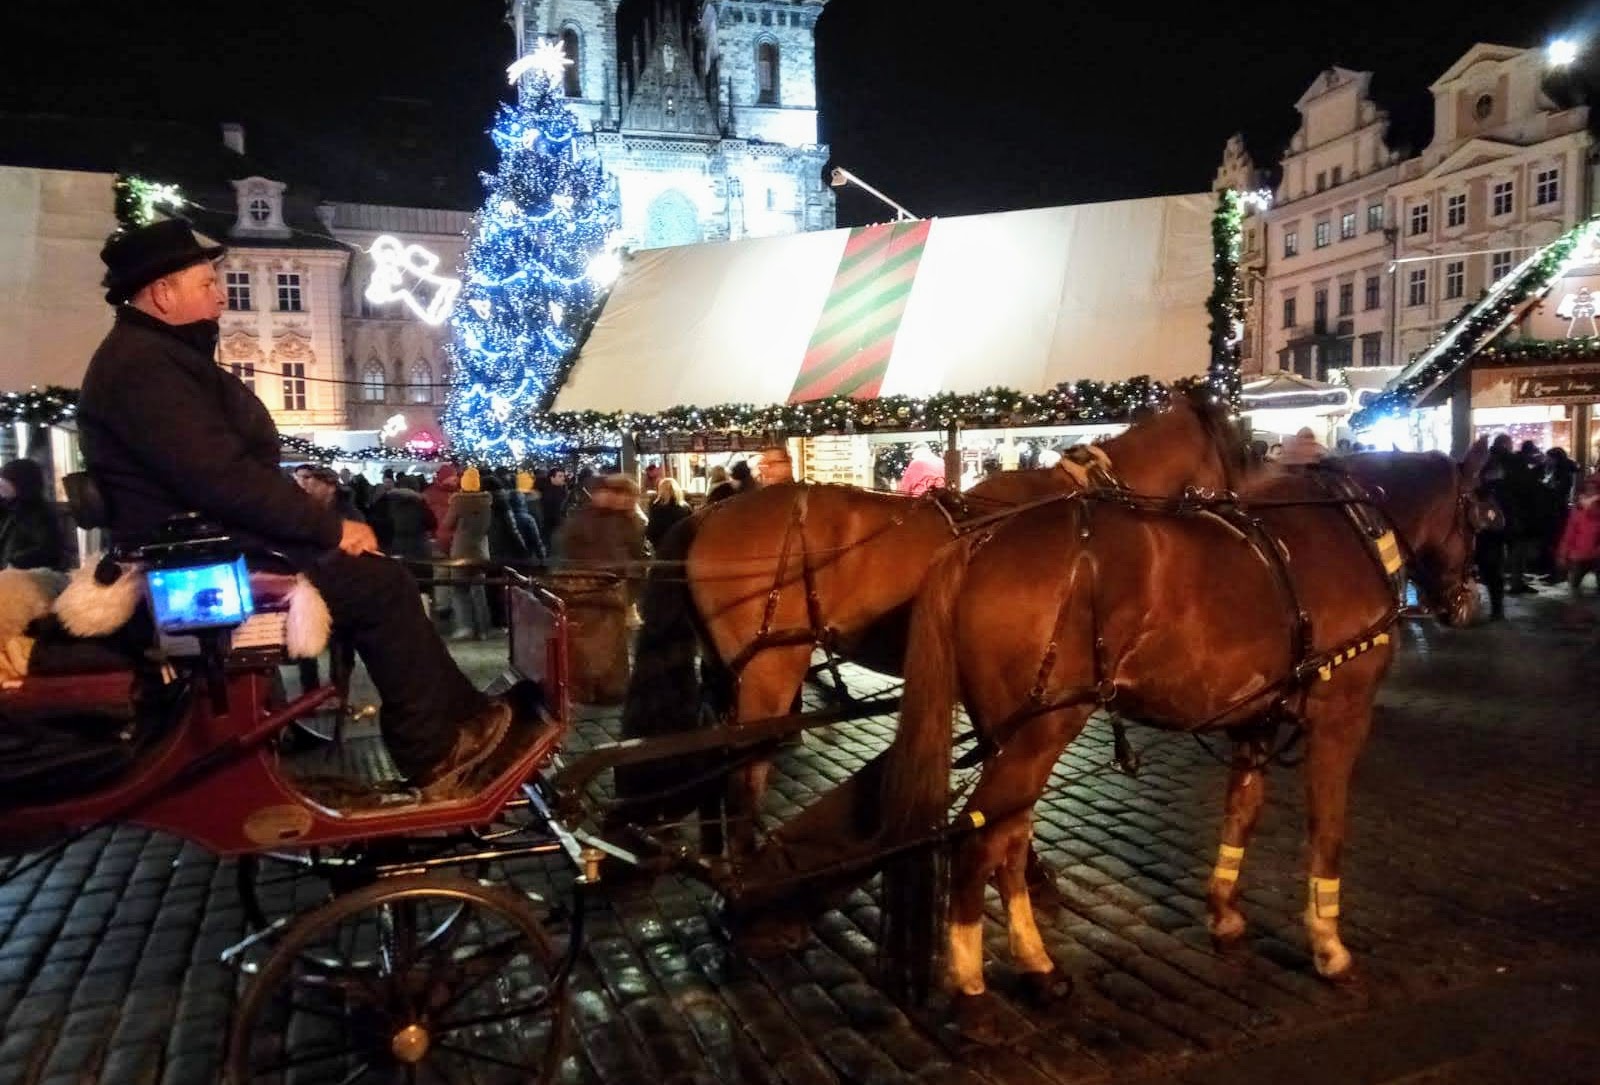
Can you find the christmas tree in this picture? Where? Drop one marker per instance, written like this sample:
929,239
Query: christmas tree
536,266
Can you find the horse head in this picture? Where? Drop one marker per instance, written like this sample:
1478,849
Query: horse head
1432,503
1190,445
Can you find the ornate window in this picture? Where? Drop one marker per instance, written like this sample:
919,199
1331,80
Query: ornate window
570,44
421,381
289,297
372,383
246,372
294,386
767,73
238,291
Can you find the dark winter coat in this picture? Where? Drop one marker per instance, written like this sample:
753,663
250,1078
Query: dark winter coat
527,524
165,430
597,537
663,515
30,532
505,538
553,500
467,524
721,492
404,524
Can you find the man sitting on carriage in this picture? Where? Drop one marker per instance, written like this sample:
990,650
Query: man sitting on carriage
166,431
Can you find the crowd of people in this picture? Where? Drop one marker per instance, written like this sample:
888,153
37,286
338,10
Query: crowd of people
1542,524
503,517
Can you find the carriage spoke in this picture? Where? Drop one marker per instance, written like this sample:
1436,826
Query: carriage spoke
488,961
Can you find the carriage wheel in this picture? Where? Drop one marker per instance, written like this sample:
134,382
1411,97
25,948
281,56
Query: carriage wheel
276,887
483,1002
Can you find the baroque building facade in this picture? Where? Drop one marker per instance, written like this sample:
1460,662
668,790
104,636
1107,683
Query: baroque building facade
703,112
1327,285
1365,252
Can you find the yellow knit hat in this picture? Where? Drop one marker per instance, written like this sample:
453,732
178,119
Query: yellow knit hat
470,482
524,482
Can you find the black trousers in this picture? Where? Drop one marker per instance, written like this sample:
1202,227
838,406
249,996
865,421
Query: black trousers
1491,558
376,603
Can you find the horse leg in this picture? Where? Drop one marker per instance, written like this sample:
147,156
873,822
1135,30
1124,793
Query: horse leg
1247,789
767,688
1012,782
1041,985
1333,743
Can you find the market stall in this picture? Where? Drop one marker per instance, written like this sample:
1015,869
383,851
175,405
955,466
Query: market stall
859,350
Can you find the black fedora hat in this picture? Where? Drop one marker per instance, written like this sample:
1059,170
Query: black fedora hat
138,257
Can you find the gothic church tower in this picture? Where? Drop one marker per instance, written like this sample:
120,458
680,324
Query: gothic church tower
703,111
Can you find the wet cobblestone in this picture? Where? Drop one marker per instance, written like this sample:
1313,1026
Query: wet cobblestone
1475,820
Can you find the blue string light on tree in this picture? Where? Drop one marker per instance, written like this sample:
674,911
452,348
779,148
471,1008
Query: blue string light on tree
536,267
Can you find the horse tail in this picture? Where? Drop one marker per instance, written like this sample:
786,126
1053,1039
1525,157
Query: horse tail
915,786
663,695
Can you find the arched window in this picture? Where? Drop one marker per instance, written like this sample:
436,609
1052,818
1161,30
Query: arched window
421,381
372,383
570,46
767,73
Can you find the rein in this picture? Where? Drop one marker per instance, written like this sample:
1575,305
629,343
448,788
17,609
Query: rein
1306,666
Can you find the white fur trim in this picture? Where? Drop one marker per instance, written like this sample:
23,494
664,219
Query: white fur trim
88,608
305,635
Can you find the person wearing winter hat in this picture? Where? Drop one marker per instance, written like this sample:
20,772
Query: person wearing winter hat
165,430
466,524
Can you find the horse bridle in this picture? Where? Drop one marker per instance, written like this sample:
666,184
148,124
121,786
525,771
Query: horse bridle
1430,584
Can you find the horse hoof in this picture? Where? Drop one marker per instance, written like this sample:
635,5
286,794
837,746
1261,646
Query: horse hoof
1042,990
977,1018
1335,966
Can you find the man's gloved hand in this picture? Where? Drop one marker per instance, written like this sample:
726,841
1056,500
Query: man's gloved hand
357,538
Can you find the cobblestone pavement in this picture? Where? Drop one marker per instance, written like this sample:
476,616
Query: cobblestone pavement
1471,903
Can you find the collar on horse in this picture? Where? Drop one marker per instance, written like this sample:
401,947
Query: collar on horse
1366,518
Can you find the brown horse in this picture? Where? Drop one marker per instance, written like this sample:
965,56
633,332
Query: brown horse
1190,622
763,579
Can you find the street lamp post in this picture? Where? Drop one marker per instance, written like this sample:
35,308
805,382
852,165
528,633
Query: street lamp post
842,177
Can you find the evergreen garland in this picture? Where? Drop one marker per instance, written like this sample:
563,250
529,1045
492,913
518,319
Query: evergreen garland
1471,330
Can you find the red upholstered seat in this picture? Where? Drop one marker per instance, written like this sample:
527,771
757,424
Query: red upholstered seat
46,695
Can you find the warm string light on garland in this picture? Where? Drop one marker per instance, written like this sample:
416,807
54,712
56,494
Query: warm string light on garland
135,200
1072,403
1471,330
52,406
533,272
1526,351
1226,303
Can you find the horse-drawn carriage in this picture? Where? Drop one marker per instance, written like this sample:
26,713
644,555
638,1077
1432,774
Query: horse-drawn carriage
382,944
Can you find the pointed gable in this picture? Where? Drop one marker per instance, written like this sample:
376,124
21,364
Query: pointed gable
668,95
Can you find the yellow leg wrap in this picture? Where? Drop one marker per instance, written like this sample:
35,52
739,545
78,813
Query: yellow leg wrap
1324,897
1229,860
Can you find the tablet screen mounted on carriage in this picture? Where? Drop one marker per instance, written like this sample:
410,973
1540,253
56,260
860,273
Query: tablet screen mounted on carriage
196,598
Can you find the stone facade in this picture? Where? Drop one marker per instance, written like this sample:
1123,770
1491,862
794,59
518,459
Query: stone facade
394,363
1326,287
1505,173
282,332
704,115
1363,255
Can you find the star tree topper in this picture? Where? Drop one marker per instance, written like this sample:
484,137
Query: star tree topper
547,57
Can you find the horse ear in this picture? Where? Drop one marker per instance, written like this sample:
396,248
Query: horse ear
1477,456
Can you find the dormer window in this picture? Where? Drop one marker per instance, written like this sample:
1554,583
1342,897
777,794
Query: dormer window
260,207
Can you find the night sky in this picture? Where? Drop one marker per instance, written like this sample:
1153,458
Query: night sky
948,108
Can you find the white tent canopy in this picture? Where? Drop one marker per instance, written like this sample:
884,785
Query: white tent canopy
1023,300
